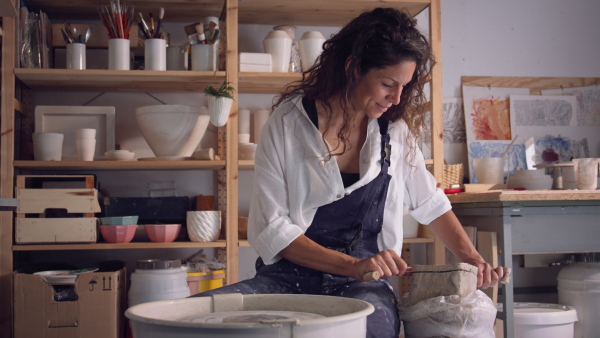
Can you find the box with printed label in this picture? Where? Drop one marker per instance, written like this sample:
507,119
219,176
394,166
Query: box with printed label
91,306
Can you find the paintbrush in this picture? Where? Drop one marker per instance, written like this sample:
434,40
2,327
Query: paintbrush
144,25
151,24
160,17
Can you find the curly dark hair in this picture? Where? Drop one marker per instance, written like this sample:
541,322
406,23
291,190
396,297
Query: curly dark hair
377,39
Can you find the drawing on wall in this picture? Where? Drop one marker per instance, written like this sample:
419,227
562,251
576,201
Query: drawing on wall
552,122
454,122
514,158
488,126
542,111
588,98
487,112
552,149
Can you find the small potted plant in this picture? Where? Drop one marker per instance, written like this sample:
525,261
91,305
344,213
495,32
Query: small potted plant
219,103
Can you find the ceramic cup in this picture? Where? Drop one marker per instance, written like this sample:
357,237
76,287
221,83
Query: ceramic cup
177,58
244,121
47,146
279,45
311,46
76,56
586,173
205,57
88,133
203,226
489,170
155,54
118,54
86,148
244,138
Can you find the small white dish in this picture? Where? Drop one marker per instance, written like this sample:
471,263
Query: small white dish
119,155
63,277
246,151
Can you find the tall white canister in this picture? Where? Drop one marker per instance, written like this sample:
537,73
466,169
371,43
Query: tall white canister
156,279
579,287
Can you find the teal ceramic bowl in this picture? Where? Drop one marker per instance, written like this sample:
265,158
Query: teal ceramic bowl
121,220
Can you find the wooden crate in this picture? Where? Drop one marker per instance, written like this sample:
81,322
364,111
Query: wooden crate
76,208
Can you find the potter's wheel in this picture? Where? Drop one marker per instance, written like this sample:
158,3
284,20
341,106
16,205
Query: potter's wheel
249,317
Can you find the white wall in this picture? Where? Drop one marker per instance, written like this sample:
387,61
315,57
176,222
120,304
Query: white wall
480,37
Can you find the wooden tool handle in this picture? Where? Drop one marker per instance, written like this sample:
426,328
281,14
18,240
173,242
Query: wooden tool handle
507,274
371,276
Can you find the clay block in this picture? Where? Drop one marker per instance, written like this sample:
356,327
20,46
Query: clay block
442,280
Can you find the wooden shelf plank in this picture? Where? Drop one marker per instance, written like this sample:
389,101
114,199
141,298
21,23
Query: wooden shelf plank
333,13
103,80
120,165
113,246
265,83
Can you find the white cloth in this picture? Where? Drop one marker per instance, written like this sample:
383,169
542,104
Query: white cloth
292,180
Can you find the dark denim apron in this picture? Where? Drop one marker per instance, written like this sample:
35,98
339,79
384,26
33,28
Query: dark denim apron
349,225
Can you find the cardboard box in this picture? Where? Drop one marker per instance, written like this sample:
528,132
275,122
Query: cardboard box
98,311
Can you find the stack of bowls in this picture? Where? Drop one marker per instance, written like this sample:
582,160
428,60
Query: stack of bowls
118,229
530,180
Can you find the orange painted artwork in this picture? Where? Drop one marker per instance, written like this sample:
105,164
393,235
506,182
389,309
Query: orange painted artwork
491,119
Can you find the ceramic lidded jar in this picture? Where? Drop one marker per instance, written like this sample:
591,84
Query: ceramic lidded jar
295,66
279,45
311,46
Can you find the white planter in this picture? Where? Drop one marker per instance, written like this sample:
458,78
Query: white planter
311,46
219,108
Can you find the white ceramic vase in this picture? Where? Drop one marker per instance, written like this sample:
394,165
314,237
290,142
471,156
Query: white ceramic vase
172,130
219,108
279,45
311,46
295,63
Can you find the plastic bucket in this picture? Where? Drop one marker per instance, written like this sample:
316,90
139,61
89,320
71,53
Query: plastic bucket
540,320
579,287
205,281
155,280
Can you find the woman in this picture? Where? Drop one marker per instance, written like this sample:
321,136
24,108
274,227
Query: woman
335,164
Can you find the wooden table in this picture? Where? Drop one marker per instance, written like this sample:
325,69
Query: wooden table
532,222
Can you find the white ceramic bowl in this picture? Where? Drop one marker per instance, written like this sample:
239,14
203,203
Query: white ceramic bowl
119,155
173,130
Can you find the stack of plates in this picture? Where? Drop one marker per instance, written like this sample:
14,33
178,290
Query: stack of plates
63,277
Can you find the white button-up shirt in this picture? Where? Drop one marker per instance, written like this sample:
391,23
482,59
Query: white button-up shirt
292,180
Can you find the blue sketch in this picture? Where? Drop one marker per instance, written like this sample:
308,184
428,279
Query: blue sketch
515,158
551,149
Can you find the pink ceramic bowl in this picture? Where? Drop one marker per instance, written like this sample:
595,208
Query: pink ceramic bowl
162,232
118,233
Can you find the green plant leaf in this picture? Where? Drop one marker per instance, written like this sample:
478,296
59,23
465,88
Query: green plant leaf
225,90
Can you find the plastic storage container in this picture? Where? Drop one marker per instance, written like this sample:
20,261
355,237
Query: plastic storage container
579,287
156,279
540,320
205,281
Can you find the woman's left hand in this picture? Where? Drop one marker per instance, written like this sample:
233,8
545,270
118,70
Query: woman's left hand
486,275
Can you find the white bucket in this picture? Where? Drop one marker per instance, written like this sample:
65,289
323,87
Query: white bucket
540,320
155,280
321,316
579,287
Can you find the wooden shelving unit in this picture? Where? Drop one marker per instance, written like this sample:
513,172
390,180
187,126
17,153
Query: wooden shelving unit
271,12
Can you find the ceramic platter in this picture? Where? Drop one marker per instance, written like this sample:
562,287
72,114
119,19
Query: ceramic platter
67,119
62,277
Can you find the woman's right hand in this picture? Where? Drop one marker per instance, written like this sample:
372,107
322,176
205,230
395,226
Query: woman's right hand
388,263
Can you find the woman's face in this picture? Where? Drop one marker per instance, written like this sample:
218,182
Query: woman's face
379,89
